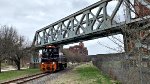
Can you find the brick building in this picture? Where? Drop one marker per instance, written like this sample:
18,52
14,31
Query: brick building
143,35
79,49
141,9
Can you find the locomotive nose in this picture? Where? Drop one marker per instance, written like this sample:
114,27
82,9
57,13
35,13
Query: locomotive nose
48,68
53,63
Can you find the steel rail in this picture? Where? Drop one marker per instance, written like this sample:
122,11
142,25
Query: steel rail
26,79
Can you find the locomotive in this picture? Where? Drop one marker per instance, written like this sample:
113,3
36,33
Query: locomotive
52,60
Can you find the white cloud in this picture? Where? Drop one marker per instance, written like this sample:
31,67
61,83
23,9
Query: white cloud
30,15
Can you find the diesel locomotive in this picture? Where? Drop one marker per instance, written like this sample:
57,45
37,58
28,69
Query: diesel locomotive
52,60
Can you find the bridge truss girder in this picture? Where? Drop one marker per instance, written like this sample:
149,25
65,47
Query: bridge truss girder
83,25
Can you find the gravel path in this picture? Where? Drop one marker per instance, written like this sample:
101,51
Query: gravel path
9,68
52,77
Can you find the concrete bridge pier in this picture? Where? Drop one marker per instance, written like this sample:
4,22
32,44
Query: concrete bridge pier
60,49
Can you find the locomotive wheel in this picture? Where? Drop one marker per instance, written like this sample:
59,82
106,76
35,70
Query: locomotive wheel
61,67
65,65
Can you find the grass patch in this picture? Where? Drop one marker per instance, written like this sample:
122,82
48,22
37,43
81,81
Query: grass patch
83,74
88,72
8,75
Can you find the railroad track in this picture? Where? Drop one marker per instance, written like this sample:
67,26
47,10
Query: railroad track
31,78
26,79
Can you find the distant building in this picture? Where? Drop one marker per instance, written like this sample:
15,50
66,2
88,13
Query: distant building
79,49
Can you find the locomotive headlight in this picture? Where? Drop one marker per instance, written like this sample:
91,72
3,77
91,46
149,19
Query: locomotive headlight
53,62
42,63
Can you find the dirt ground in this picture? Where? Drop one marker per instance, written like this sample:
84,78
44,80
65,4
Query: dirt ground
73,77
9,68
67,78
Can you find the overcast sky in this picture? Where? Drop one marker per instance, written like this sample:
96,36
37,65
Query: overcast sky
27,16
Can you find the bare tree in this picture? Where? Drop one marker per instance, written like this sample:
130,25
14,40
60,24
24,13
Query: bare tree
5,44
1,50
135,49
69,55
13,46
19,52
74,56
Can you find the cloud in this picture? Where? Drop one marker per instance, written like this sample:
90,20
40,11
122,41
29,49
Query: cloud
30,15
94,47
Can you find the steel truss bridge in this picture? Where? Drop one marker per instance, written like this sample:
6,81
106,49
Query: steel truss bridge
89,23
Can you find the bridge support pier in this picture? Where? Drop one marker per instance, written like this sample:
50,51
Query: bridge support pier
61,48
